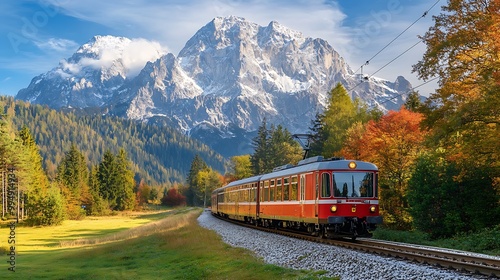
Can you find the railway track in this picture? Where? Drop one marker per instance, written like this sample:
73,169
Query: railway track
439,257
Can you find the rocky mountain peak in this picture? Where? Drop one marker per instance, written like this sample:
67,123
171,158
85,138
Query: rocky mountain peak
97,44
230,75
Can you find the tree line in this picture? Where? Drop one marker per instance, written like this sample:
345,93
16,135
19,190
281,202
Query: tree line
73,166
153,148
74,193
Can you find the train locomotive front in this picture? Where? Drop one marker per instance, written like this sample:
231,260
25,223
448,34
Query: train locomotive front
350,206
331,198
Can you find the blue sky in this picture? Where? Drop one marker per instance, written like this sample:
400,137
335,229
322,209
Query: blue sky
37,34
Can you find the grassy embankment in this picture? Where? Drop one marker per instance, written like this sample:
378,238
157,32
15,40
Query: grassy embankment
162,245
486,242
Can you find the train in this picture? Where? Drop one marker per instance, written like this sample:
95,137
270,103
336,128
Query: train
331,198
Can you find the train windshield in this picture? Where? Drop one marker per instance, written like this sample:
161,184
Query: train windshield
354,184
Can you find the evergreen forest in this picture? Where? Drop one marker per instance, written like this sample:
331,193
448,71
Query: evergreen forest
159,154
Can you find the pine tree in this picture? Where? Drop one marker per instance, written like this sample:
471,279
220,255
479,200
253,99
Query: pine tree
260,159
193,190
413,102
9,155
318,136
98,205
72,174
106,176
116,181
125,182
283,148
44,205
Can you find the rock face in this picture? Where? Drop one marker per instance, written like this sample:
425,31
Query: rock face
229,76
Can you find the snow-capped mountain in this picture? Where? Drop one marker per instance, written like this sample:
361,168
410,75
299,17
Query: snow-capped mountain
92,75
229,76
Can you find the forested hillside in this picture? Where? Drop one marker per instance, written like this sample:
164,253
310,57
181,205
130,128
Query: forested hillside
159,154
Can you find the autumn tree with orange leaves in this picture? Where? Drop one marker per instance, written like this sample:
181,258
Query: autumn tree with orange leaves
392,143
463,51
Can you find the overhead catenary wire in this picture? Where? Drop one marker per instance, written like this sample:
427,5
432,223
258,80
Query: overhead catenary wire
391,61
396,57
368,61
399,35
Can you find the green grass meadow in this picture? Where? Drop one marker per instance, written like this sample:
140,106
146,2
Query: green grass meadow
160,245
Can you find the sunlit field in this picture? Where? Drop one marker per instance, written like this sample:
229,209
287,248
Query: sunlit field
157,245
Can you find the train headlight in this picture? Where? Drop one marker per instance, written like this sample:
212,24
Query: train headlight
333,208
352,165
373,209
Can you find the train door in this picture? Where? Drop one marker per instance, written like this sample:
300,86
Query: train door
237,203
316,193
302,196
258,197
215,198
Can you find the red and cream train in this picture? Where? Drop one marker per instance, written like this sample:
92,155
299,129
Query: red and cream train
327,197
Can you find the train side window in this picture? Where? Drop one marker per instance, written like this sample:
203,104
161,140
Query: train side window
294,188
271,191
266,191
286,189
325,185
279,190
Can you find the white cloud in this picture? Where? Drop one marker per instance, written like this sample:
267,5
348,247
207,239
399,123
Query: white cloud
57,44
70,68
133,54
138,53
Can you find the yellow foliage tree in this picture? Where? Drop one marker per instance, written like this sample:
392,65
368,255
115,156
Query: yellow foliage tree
463,51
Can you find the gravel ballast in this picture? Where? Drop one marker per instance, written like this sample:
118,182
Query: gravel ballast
300,254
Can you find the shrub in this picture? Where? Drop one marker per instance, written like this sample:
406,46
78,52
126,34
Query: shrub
173,198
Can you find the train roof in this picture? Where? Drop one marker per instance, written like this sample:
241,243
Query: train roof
244,181
305,166
322,165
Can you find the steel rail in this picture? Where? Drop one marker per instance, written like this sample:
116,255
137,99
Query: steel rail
440,257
